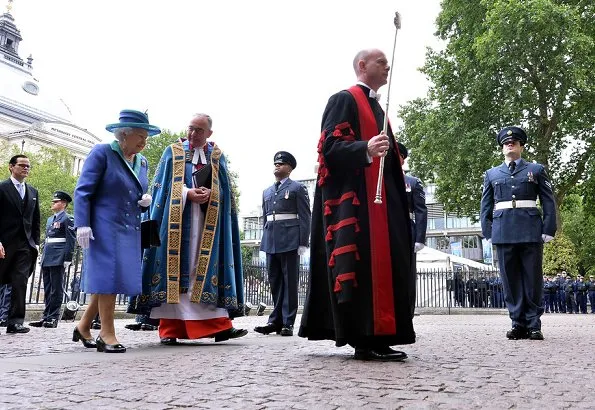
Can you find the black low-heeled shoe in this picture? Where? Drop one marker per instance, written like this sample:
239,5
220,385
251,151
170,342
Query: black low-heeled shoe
107,348
76,336
232,333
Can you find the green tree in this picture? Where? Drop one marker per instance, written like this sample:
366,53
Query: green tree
579,226
559,255
505,62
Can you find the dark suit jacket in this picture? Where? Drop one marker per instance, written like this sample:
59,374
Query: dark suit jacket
17,221
416,199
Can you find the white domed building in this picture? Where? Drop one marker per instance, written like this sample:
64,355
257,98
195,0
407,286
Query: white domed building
30,116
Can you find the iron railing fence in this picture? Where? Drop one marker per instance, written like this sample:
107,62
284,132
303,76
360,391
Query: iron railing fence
437,288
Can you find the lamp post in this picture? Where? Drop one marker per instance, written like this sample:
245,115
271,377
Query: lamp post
22,146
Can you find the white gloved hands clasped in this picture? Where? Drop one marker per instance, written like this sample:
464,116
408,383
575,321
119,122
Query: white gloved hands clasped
546,238
83,235
418,247
145,201
302,250
67,264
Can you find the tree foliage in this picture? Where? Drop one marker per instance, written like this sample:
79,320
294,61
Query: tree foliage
505,62
579,227
559,255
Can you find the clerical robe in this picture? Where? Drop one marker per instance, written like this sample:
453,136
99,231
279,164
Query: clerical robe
361,252
196,273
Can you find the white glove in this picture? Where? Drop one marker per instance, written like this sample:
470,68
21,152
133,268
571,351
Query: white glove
67,264
418,247
145,201
546,238
83,234
490,241
302,250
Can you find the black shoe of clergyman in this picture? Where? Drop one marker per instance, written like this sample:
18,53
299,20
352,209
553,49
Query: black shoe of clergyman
96,325
383,354
3,323
517,333
133,326
232,333
269,328
169,341
17,328
535,334
287,331
39,323
53,323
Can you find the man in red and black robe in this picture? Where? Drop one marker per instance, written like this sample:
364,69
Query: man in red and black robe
361,252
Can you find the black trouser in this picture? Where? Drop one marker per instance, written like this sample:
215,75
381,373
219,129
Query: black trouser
53,279
18,265
283,277
522,280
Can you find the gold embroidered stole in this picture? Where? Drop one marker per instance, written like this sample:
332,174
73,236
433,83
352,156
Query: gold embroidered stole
174,238
208,232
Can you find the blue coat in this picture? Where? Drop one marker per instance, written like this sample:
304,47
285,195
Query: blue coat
416,199
517,225
56,253
286,235
106,198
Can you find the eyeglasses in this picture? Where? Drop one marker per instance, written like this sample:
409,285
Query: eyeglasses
198,130
25,166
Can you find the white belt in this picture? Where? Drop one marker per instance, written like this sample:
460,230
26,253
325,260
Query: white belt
281,217
55,240
522,203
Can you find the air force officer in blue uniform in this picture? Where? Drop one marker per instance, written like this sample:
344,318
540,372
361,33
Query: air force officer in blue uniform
418,213
511,220
57,256
286,211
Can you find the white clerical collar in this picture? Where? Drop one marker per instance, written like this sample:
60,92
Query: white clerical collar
372,93
199,155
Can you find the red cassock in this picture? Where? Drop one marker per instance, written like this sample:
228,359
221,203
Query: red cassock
359,288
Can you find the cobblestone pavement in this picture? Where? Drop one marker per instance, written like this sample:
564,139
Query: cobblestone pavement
461,361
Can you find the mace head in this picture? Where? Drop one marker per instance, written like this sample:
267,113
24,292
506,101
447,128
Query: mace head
397,20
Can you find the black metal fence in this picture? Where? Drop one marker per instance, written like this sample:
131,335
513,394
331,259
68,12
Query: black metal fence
440,288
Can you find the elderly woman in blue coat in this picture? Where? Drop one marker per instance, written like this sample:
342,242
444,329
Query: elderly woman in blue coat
109,198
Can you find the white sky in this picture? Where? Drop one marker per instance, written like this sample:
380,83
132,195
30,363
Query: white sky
263,70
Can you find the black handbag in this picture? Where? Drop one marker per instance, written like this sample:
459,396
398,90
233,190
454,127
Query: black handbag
149,234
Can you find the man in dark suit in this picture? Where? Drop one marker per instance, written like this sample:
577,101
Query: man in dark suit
286,211
19,238
418,212
511,220
56,258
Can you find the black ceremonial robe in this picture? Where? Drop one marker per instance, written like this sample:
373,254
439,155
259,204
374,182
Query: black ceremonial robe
361,252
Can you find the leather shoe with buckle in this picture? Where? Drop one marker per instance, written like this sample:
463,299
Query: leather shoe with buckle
385,354
39,323
17,328
535,334
287,331
269,328
516,333
232,333
52,323
169,341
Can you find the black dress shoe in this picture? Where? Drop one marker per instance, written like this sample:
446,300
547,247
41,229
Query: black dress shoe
287,331
3,323
17,328
39,323
232,333
76,336
169,341
96,325
51,323
535,334
381,355
269,328
133,326
107,348
516,333
146,326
